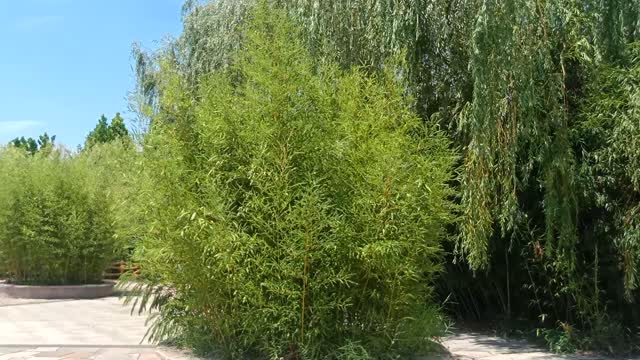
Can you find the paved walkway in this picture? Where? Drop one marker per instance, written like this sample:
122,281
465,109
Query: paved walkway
76,322
104,329
75,329
85,353
475,346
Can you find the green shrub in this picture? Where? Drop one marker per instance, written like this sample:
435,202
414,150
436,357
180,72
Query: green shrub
561,340
55,223
117,167
295,212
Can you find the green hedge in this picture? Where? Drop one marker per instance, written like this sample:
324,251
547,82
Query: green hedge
55,221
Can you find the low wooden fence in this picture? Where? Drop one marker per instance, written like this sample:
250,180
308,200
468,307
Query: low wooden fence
118,268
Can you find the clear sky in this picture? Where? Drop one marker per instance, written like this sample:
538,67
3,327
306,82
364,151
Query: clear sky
63,63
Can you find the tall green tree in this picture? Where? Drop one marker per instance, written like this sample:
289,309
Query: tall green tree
105,132
432,35
44,143
117,128
100,134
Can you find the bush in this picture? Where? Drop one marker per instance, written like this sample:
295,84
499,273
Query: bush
296,212
55,223
116,166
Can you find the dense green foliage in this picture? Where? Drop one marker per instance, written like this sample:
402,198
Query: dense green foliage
609,132
295,188
535,214
108,132
55,223
541,98
30,145
116,166
350,32
297,212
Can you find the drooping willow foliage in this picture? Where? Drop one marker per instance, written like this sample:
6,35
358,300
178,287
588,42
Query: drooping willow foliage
516,125
526,55
432,35
540,97
531,63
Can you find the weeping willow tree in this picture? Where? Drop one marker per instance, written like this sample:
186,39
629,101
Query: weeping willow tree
521,189
517,128
526,55
432,35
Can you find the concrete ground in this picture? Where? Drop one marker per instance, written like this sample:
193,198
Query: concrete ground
75,329
477,346
105,329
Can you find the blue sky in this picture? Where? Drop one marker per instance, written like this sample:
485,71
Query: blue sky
63,63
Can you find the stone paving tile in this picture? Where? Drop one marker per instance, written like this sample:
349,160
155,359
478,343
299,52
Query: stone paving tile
17,355
103,329
12,349
150,356
53,354
78,322
81,353
99,329
475,346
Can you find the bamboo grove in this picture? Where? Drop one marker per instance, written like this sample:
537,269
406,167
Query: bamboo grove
540,99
